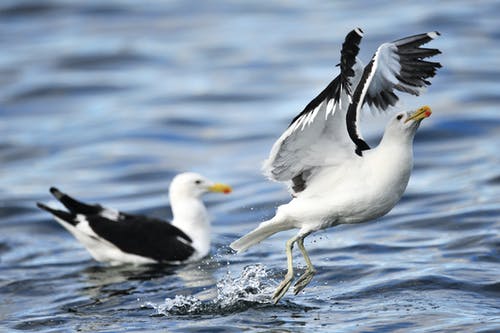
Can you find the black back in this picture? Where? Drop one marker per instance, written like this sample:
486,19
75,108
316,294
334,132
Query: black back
144,236
135,234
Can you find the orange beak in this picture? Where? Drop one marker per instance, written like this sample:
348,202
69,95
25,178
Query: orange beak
221,188
420,114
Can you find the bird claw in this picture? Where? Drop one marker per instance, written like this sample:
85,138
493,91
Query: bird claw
282,288
303,281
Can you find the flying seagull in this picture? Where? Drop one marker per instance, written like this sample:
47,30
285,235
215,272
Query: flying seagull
116,238
333,175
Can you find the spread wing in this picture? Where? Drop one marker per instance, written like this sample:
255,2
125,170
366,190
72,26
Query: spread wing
299,149
398,65
326,131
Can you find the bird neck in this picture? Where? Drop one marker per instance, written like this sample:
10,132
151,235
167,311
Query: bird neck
396,148
394,158
191,216
397,138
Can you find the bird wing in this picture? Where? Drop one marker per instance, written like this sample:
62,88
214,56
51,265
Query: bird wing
131,233
144,236
326,131
78,207
299,149
398,65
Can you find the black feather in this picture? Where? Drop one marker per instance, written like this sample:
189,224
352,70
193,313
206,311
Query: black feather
61,214
134,234
144,236
74,205
350,49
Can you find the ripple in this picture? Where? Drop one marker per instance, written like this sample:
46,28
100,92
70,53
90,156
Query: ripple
110,99
457,128
99,61
41,324
471,220
421,283
28,9
221,98
66,90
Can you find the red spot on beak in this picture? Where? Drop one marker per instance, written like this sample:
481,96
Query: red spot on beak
428,113
227,191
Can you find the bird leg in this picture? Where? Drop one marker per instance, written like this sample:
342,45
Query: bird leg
285,284
305,278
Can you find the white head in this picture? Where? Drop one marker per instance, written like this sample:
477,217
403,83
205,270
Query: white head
404,125
193,185
189,212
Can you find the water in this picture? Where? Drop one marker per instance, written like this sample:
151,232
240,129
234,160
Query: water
108,100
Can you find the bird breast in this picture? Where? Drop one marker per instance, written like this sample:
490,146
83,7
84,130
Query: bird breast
355,192
382,180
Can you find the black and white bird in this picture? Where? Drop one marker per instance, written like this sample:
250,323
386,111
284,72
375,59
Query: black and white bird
334,176
116,238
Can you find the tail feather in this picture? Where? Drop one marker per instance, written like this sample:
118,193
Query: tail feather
60,214
264,230
74,205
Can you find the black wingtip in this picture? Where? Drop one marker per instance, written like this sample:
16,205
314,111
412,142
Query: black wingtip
42,206
56,193
45,208
60,214
353,38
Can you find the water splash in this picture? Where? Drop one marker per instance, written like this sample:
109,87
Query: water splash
180,304
233,294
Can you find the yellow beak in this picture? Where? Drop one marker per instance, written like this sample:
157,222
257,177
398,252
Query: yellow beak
222,188
420,114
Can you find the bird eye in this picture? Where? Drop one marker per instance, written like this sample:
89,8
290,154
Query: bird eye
198,182
399,117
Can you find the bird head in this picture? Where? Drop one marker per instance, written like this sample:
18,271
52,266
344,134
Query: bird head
407,122
194,185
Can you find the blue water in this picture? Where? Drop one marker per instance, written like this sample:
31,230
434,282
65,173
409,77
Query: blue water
109,99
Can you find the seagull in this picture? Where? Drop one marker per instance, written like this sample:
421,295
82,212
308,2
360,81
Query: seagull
119,238
333,175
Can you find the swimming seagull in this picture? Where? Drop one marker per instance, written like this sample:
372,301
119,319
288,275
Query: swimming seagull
115,237
334,176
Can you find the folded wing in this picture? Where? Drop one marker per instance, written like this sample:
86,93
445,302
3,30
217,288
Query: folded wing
135,234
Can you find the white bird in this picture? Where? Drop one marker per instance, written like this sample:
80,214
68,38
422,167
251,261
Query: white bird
116,238
334,176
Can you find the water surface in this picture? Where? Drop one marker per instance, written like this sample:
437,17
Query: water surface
109,100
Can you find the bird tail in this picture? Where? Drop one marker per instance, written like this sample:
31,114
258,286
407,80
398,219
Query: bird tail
263,231
74,205
61,216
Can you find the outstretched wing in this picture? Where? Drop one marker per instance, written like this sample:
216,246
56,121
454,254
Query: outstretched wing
326,131
398,65
300,148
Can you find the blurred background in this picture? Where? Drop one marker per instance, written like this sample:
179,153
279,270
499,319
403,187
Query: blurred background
109,99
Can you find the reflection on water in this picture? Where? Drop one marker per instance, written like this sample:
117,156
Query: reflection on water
110,100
